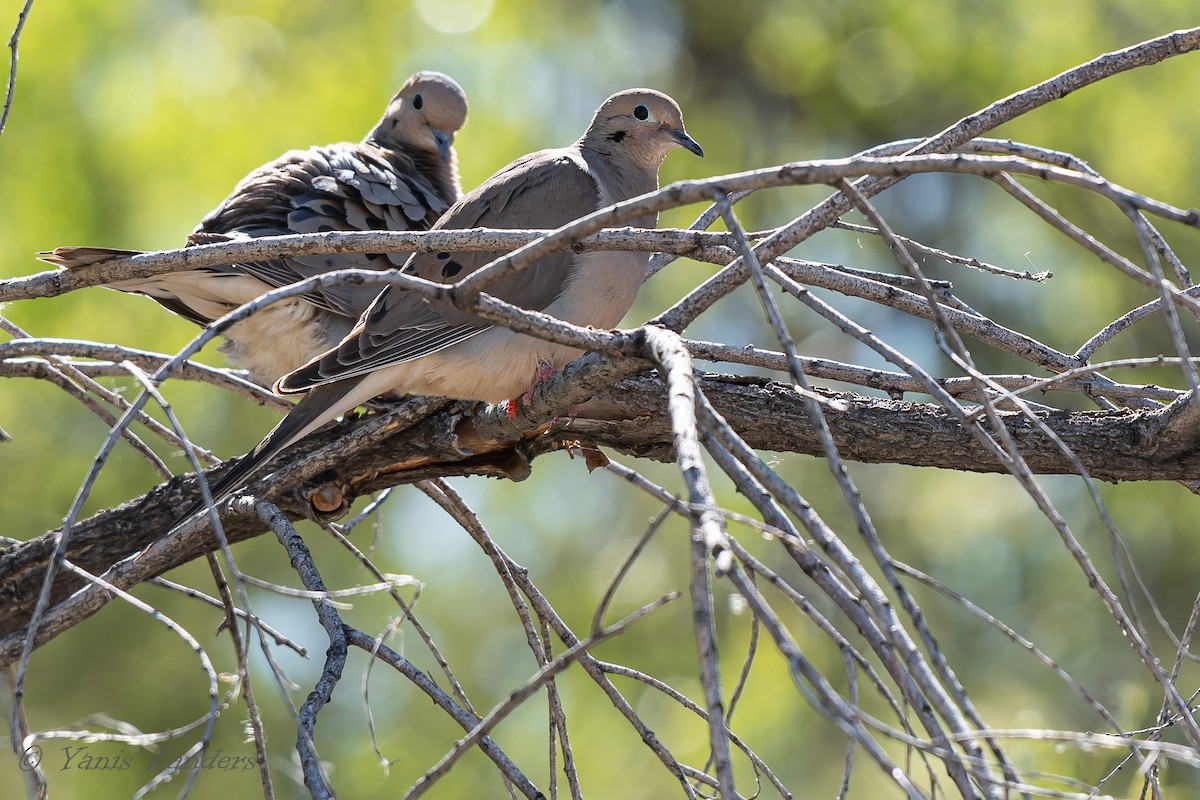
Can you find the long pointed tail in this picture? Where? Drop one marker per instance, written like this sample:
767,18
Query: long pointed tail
318,407
76,257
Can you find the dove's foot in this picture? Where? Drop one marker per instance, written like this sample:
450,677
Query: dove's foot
543,371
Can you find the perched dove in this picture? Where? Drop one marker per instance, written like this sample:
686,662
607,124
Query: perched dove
406,344
402,176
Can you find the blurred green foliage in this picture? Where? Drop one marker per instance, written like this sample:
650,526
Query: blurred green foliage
132,119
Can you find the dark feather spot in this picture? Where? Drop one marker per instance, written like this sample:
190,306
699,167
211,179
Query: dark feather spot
451,269
616,136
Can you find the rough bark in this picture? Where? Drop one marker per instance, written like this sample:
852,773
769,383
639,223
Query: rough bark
361,456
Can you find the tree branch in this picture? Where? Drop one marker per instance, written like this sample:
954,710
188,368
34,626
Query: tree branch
358,457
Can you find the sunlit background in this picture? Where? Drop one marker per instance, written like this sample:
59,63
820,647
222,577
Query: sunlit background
134,118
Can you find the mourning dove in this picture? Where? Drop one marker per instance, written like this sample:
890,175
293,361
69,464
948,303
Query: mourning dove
402,176
407,344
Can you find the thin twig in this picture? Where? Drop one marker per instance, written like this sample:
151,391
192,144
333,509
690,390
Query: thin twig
315,777
519,695
708,537
201,655
13,41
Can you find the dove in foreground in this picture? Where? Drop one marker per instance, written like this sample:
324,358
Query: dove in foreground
402,176
407,344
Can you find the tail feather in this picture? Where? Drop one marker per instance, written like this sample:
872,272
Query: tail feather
318,407
76,257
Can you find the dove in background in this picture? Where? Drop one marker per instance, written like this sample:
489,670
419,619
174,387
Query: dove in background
402,176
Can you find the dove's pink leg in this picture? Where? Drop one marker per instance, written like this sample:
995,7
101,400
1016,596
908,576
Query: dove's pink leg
540,374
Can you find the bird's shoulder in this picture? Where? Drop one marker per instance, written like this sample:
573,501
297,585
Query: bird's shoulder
542,190
347,186
342,186
548,184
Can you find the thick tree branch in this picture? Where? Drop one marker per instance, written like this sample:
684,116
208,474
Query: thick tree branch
357,457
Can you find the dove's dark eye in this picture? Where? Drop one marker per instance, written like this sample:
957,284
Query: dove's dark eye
418,101
641,112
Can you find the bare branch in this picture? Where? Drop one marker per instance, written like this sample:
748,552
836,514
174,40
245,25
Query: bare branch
502,710
13,41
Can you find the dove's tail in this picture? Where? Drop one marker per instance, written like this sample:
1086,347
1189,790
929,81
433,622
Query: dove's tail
319,406
76,257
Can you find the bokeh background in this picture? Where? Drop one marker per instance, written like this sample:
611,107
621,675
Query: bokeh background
134,118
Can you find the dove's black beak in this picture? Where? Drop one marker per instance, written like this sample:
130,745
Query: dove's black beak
443,144
687,142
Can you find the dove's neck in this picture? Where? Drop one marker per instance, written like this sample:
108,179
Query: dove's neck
438,174
620,178
442,175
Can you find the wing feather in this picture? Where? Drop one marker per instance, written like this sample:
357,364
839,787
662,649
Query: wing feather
542,190
337,188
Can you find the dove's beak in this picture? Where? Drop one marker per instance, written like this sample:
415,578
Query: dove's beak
687,142
443,144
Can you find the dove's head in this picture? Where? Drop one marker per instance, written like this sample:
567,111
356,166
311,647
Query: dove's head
425,114
643,123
